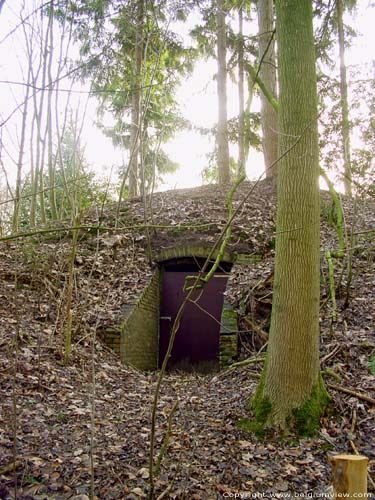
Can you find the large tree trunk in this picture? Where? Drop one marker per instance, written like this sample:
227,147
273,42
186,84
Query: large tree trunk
345,124
222,126
267,73
291,392
136,99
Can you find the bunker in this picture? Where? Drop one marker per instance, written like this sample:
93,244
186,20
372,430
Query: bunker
197,342
148,293
206,338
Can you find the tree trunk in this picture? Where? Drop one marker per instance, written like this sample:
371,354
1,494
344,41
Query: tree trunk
51,165
39,70
291,392
241,97
222,126
345,124
135,110
267,74
65,42
349,476
21,152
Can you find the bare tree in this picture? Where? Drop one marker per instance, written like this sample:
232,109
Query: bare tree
267,73
21,153
135,103
222,126
241,96
345,124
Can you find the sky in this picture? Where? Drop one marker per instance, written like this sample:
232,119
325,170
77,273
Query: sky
198,103
197,98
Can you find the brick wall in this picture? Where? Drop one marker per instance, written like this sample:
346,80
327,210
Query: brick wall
112,338
137,338
228,335
140,329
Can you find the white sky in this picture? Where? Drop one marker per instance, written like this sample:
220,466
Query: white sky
197,97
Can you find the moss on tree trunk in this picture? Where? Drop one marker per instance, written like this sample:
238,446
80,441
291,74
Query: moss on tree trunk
302,420
291,387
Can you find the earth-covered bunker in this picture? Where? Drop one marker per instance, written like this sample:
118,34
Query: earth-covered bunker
207,337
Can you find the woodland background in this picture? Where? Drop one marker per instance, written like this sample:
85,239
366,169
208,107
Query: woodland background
77,424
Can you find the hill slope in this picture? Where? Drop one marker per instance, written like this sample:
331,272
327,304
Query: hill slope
51,412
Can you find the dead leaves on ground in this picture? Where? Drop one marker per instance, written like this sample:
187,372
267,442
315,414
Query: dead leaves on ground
208,456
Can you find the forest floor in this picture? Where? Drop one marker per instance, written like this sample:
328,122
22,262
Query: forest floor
54,420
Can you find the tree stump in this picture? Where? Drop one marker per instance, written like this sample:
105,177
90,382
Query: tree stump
349,476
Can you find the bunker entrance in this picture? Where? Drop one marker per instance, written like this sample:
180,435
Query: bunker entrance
197,342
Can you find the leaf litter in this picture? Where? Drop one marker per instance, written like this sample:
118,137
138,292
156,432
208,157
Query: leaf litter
46,407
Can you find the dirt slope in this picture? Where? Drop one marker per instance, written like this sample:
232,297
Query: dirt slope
47,412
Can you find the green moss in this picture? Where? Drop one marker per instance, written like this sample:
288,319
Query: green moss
229,313
327,447
178,230
327,211
259,423
261,409
306,419
371,365
303,421
331,373
242,235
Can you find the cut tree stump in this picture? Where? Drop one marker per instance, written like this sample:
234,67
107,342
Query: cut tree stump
349,476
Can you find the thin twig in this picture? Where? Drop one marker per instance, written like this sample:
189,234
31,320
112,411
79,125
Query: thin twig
257,329
330,354
352,393
246,362
168,432
11,467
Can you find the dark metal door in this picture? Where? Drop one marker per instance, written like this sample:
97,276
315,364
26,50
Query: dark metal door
197,339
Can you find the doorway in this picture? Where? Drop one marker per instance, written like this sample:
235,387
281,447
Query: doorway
197,342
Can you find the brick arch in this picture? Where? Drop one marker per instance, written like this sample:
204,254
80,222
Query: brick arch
136,338
191,251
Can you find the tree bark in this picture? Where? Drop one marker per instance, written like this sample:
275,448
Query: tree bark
51,164
291,389
345,124
222,126
39,70
241,97
349,476
21,152
135,105
267,73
